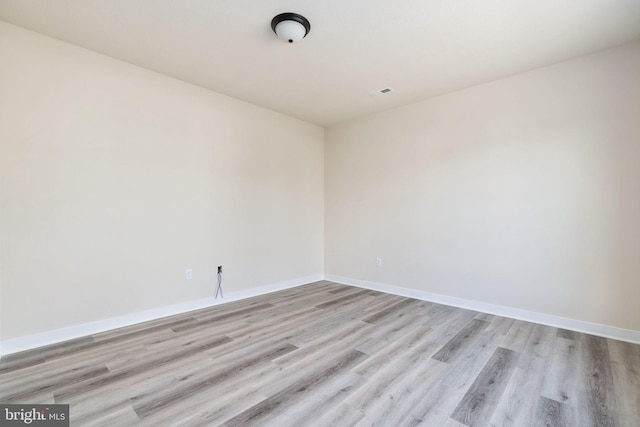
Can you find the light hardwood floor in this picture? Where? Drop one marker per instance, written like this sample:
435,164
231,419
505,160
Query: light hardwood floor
331,355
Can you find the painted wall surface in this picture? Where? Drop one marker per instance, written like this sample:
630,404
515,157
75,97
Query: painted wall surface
524,192
115,179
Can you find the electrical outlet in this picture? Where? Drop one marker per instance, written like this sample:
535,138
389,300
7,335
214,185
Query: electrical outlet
378,262
188,274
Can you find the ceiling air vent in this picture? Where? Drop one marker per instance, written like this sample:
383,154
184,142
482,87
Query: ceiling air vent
381,91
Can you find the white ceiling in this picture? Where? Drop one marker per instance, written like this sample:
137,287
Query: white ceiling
420,48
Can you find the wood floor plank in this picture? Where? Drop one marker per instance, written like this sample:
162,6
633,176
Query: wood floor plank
448,322
540,343
30,358
550,413
237,314
340,415
266,409
88,409
133,388
383,302
394,374
344,299
158,401
515,408
298,319
389,311
49,384
154,362
434,407
450,422
348,336
320,400
470,362
600,391
500,325
460,341
569,335
124,416
518,335
479,403
562,374
326,354
326,325
395,351
213,405
314,362
383,334
625,358
388,403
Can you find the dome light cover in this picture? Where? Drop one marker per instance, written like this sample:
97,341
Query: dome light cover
290,27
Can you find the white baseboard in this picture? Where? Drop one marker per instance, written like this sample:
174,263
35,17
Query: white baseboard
514,313
58,335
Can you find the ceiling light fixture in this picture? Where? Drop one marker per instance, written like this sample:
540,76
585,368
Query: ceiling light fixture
290,27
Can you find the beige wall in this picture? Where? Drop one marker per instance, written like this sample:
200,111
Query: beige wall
115,179
524,192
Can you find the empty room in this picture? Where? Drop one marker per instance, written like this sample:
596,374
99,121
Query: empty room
320,213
